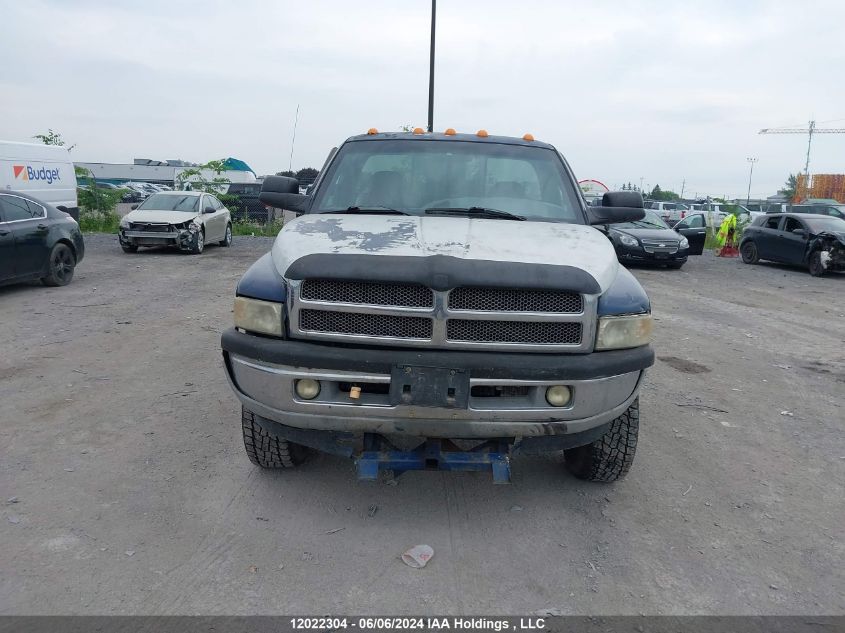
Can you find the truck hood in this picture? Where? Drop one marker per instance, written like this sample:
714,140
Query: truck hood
157,216
503,241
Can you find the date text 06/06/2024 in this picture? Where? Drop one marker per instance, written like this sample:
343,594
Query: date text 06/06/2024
412,623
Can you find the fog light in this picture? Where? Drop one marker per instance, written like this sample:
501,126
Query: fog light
307,388
558,395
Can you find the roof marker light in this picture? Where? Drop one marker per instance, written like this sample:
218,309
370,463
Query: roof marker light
482,133
528,137
419,130
450,131
372,130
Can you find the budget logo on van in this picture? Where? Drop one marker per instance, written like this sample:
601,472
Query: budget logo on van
26,172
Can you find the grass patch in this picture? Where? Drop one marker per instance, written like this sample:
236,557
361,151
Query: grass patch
108,222
98,221
254,228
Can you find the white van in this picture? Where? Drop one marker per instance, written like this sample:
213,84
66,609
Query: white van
42,171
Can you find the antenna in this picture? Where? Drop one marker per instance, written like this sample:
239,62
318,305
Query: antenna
293,140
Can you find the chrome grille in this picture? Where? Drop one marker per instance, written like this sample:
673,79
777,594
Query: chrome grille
368,293
660,246
365,324
147,226
515,300
535,333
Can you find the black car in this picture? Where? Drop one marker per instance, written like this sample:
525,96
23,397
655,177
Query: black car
649,240
802,239
37,241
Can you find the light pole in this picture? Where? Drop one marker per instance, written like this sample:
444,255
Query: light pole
750,173
431,69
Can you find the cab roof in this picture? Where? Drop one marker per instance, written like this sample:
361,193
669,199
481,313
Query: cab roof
440,136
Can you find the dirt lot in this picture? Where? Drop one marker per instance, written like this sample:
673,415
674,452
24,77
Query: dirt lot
120,440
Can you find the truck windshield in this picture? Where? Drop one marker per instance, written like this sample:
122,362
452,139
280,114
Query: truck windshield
171,202
420,176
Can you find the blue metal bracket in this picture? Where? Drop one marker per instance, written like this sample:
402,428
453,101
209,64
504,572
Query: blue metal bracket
433,454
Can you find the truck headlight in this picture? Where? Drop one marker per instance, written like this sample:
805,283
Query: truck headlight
261,317
684,243
620,332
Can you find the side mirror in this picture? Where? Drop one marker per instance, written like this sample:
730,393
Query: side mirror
133,207
617,206
631,199
281,192
280,184
208,210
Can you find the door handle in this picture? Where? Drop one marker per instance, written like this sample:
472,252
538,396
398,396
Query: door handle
3,233
42,227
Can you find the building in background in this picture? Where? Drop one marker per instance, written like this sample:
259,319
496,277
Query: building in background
164,172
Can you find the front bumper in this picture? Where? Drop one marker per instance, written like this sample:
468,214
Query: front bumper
183,238
263,372
628,254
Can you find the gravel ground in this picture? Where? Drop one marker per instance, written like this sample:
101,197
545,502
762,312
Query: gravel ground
129,491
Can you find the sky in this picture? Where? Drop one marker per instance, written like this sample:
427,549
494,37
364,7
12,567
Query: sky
673,93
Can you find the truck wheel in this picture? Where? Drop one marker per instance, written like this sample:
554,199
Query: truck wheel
267,450
749,253
610,457
816,268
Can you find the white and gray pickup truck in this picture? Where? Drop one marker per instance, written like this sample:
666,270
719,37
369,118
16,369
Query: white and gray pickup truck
442,301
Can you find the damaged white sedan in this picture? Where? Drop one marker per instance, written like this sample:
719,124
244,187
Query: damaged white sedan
187,220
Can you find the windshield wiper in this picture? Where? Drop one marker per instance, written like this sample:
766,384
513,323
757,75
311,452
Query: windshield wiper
481,212
376,209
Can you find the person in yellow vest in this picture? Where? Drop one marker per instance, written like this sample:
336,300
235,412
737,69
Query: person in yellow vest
726,237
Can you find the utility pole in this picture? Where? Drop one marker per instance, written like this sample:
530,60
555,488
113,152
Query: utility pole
431,69
683,185
751,173
641,184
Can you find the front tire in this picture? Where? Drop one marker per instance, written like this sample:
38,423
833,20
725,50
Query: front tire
227,240
749,253
266,449
61,264
610,457
816,267
129,248
199,242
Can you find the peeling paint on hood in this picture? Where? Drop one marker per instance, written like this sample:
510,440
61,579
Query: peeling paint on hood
484,239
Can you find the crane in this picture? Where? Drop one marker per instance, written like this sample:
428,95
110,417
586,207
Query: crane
809,131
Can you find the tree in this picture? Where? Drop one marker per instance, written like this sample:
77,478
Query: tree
91,197
659,194
195,178
790,187
53,138
287,172
307,175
